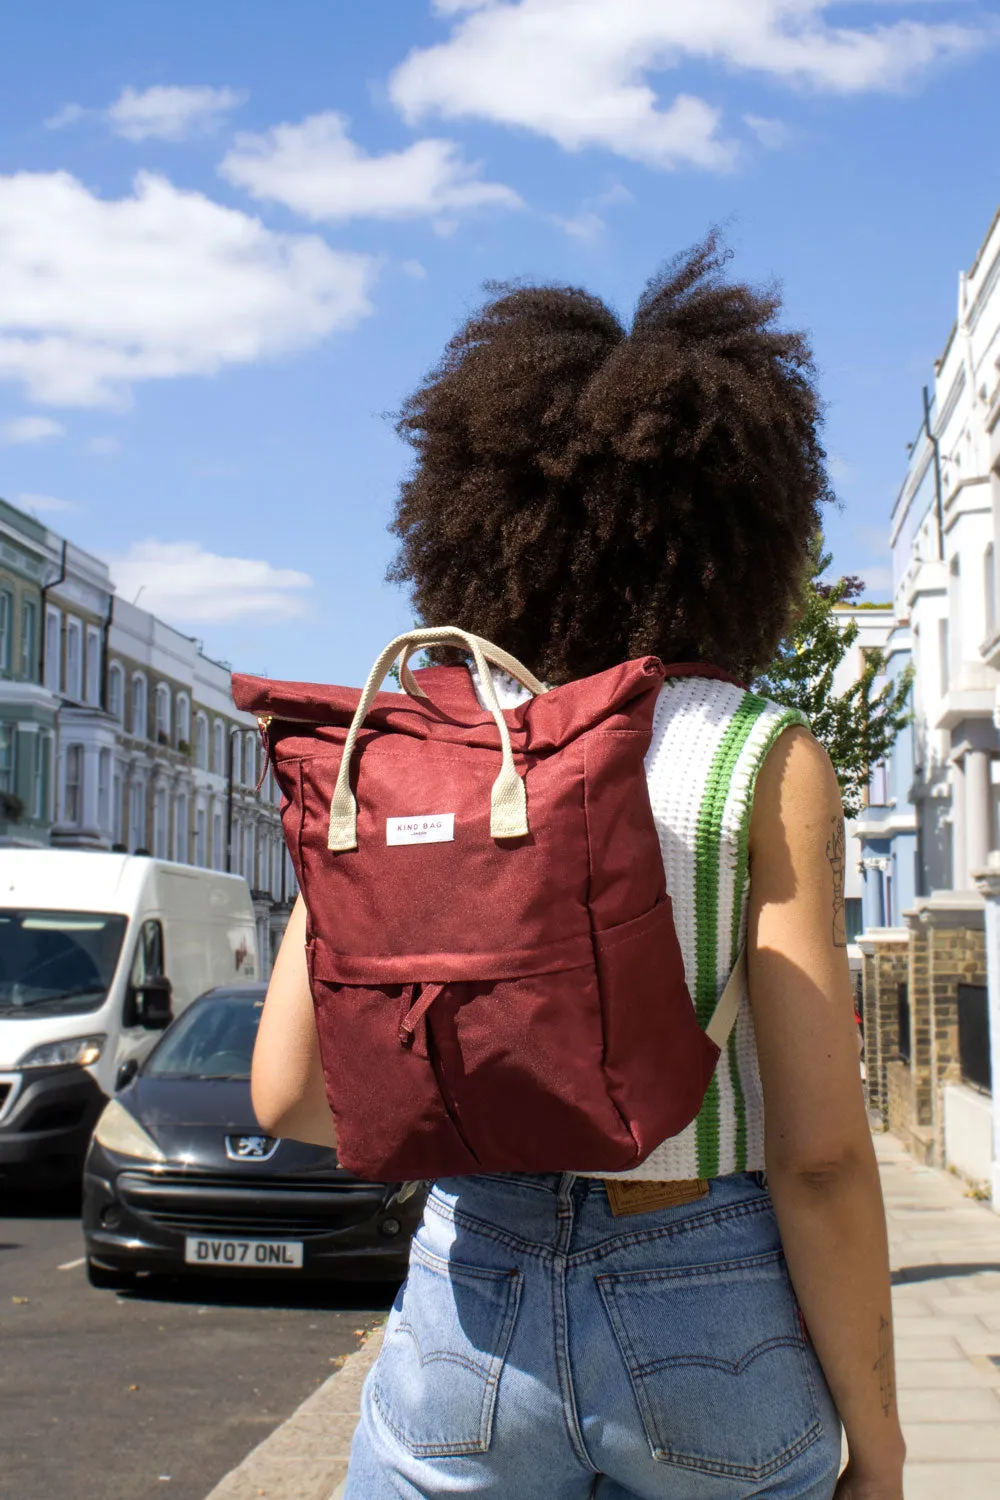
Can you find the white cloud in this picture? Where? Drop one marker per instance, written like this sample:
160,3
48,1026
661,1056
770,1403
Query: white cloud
69,114
414,268
182,582
316,169
45,504
772,134
578,70
839,470
96,294
169,112
104,445
29,430
585,225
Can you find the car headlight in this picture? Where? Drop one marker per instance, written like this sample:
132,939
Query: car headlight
83,1050
119,1131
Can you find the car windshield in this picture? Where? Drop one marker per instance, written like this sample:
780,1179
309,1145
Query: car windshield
57,963
213,1039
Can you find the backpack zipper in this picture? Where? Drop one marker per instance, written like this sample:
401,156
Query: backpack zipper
264,722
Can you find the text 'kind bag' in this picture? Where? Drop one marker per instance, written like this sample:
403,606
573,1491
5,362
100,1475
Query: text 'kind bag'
496,975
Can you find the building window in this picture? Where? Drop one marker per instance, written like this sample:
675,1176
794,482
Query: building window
104,791
29,642
74,660
201,743
160,830
6,631
116,694
43,749
235,745
140,723
218,851
183,720
944,649
73,800
878,785
53,652
199,837
8,752
181,830
990,590
93,670
219,748
248,854
137,817
162,714
116,805
252,742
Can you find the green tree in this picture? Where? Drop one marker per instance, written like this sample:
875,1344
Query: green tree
858,727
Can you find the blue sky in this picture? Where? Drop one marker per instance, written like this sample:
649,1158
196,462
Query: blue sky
232,238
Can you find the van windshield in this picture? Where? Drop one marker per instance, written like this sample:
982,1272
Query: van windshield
57,963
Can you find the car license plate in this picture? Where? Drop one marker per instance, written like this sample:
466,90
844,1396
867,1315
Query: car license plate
258,1255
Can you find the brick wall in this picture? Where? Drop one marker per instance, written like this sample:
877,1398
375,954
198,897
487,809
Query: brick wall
943,948
884,968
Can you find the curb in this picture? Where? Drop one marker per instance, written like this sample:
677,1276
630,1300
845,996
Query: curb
306,1457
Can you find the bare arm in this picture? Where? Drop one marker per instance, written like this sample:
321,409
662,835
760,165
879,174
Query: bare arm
820,1160
286,1080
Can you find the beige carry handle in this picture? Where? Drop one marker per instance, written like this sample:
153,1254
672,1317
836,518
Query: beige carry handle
728,1008
508,799
495,654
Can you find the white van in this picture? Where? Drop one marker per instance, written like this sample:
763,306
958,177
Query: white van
97,953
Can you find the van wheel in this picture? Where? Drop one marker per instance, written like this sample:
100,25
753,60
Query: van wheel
107,1279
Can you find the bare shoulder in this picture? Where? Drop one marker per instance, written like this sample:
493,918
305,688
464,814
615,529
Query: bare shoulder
797,797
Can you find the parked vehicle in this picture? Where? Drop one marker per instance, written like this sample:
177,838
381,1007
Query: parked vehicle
97,953
179,1177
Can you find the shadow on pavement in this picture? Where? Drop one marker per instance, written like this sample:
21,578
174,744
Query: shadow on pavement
942,1273
319,1296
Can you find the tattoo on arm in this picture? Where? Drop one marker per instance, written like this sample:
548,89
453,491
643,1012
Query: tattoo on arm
836,854
883,1367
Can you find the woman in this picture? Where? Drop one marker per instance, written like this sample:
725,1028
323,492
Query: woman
583,495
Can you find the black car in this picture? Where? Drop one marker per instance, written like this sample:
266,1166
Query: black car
180,1178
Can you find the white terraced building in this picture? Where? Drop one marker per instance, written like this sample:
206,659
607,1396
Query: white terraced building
116,730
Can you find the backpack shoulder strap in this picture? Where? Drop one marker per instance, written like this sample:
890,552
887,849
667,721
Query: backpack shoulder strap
728,1008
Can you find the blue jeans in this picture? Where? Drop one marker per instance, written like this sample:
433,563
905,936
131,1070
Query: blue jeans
542,1349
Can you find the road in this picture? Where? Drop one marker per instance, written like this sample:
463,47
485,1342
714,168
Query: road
160,1392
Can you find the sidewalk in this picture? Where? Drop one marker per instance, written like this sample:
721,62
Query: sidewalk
945,1252
946,1272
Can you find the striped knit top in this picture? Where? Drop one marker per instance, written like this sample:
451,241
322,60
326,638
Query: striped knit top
709,741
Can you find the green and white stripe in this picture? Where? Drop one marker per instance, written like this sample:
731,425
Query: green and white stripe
709,742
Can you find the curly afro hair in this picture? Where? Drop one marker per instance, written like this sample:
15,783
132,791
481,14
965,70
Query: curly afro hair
585,493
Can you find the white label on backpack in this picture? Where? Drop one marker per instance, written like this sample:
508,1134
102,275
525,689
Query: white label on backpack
435,828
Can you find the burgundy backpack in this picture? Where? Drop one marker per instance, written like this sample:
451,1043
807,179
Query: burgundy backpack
497,979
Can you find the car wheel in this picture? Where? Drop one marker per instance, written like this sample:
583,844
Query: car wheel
107,1279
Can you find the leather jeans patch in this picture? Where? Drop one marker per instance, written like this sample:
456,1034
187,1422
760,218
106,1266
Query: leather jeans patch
636,1196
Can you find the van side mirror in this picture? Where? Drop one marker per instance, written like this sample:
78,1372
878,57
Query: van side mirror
126,1072
153,1009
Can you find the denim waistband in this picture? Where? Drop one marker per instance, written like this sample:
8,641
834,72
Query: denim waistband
560,1183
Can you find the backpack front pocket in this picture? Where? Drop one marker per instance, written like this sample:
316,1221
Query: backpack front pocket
436,1379
718,1364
